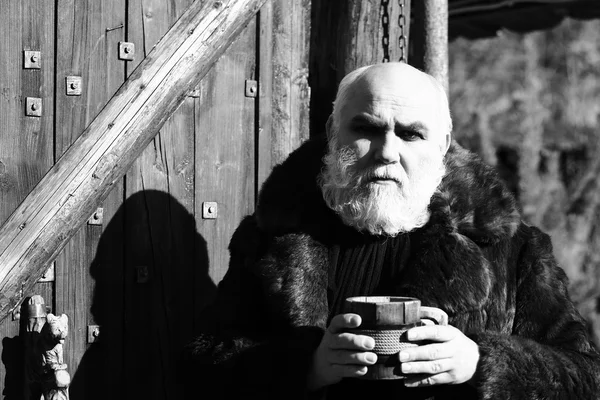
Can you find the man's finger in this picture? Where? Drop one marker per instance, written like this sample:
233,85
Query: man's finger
344,321
351,341
428,380
352,357
427,352
435,314
436,333
427,367
349,371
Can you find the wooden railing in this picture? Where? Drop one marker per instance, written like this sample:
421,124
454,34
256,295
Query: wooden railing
69,193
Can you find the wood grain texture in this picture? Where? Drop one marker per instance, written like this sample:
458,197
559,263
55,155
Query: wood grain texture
86,47
25,142
284,90
345,35
160,237
68,194
225,149
430,36
160,231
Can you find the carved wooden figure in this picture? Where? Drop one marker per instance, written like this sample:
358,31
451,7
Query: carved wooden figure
44,338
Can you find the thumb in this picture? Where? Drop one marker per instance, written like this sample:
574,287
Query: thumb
341,322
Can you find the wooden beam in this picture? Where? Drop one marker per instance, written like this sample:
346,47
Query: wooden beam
69,193
348,34
283,82
430,38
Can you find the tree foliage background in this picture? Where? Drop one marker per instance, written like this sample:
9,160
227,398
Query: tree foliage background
530,105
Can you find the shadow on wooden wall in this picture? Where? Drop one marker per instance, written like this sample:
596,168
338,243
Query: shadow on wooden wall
146,303
12,358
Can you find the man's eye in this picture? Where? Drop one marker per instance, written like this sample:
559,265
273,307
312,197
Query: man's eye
367,129
408,134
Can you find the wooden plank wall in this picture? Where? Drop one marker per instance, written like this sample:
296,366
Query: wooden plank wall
154,262
26,151
285,93
159,229
87,37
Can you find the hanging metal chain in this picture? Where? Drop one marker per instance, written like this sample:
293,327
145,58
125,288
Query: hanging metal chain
385,24
402,37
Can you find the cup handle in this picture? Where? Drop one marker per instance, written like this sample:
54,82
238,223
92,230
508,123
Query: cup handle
433,316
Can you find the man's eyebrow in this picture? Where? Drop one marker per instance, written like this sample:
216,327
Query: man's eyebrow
377,123
413,126
364,119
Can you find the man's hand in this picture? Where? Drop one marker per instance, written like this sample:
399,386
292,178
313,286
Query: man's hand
451,359
341,354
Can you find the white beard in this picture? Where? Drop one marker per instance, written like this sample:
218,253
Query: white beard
378,208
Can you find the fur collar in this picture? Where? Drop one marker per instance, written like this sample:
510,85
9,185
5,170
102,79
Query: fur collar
471,201
473,215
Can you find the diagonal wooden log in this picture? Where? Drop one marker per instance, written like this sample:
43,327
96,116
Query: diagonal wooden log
68,194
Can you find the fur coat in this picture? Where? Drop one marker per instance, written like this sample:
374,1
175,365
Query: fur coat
494,275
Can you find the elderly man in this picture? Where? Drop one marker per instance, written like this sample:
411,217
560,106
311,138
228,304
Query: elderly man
388,206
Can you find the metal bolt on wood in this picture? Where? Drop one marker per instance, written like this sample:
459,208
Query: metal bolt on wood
74,84
142,274
32,59
97,218
195,93
209,210
33,107
251,88
48,275
126,51
93,333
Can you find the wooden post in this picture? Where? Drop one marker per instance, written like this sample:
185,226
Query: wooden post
430,39
69,193
284,93
348,34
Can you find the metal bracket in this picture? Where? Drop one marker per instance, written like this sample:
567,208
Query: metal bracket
33,107
32,59
195,93
142,274
74,84
48,275
93,333
126,51
251,88
209,210
97,218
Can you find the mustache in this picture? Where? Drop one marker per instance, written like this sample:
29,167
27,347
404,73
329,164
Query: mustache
383,173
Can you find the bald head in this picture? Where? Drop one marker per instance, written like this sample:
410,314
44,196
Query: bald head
388,135
397,82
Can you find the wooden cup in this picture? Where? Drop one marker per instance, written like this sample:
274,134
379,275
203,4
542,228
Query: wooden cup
386,319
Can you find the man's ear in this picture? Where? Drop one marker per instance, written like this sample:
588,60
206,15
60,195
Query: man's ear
329,126
447,145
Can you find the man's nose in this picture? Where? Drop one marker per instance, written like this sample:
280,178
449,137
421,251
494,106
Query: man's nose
388,149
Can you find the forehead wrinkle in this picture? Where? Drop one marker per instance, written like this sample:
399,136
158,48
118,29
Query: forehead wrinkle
410,101
385,99
394,113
